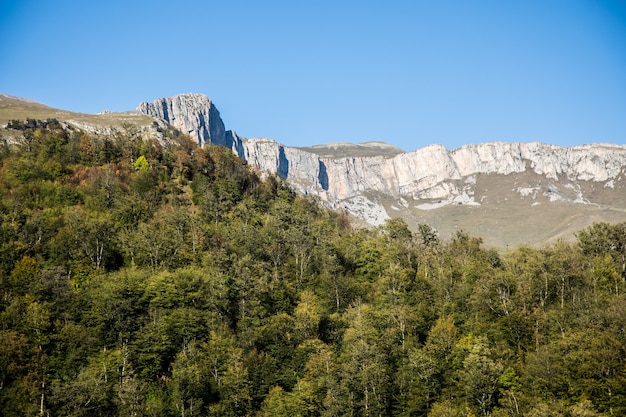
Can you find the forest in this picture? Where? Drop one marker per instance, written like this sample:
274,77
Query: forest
156,278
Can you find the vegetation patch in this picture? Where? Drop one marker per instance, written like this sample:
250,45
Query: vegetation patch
158,278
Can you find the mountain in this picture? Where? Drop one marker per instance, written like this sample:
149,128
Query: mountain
508,193
195,115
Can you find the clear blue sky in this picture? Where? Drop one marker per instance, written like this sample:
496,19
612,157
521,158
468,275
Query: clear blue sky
410,73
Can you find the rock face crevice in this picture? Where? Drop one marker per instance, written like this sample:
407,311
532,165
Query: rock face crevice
432,173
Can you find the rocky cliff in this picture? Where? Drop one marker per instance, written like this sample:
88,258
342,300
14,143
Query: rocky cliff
380,181
193,114
433,172
507,193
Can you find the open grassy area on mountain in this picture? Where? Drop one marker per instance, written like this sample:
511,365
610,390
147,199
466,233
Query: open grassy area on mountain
345,150
14,108
504,219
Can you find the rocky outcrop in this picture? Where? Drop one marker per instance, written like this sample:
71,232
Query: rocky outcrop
197,116
193,114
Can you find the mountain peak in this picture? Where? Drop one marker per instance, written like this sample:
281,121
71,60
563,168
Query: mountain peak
194,114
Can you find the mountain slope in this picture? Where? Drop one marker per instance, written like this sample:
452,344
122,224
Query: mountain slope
506,192
16,108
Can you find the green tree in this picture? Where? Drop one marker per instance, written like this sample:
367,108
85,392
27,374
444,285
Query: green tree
428,235
190,382
235,391
279,403
480,374
141,164
602,238
422,377
90,238
92,391
16,358
23,275
158,244
307,317
364,375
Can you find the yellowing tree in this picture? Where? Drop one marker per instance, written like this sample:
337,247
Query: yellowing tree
141,164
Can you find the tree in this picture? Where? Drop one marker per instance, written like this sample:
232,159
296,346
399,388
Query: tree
364,374
279,403
92,391
23,275
90,238
428,235
480,375
141,164
397,229
585,364
423,382
510,390
190,382
307,317
16,357
447,409
157,243
601,238
441,339
235,391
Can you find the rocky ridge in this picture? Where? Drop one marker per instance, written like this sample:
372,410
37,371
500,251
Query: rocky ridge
508,193
431,177
433,172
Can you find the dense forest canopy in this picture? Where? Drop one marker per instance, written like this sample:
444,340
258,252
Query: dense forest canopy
157,278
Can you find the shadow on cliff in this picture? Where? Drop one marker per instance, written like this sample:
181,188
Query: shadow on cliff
322,177
283,163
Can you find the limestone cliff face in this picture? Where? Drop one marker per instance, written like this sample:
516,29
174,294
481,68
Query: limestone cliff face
432,172
432,176
193,114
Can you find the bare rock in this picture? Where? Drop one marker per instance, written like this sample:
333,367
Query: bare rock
193,114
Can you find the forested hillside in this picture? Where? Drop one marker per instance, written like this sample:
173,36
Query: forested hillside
144,279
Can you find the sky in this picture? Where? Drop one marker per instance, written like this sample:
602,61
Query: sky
410,73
